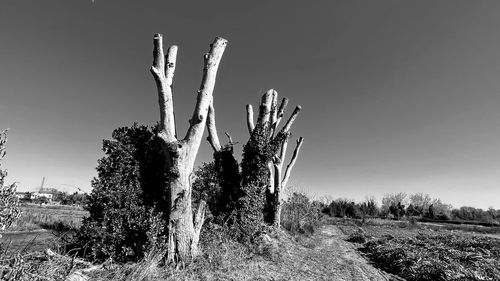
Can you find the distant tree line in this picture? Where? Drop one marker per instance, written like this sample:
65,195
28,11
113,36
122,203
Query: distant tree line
400,205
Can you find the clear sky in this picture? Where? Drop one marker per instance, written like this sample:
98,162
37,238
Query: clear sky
397,96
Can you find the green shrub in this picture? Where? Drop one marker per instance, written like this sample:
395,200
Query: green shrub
124,206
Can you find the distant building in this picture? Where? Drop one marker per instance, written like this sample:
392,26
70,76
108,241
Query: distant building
36,195
23,195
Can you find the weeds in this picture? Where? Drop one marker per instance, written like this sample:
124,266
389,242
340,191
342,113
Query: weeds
417,252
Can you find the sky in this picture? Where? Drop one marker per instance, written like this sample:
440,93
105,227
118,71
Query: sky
396,96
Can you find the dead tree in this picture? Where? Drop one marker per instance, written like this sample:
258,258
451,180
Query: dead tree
180,154
262,180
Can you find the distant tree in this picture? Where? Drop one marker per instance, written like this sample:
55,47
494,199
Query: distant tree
431,213
491,214
393,199
420,202
338,207
411,211
9,203
397,210
41,200
369,207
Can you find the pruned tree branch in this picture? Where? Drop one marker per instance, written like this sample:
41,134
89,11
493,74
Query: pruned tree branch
292,118
281,113
250,123
292,162
163,74
213,137
212,60
281,156
265,108
274,112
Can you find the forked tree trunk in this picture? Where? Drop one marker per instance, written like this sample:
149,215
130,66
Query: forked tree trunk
183,229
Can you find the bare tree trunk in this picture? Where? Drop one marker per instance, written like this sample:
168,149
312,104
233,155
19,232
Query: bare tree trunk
183,229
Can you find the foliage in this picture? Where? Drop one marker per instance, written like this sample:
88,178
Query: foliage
124,217
9,203
75,198
217,183
300,215
252,209
397,210
338,207
369,207
392,199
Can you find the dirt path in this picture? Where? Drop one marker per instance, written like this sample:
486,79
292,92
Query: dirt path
325,256
330,257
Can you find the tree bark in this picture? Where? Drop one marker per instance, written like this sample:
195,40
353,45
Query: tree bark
183,229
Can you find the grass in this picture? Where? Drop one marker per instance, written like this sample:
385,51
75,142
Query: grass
47,217
222,258
427,252
39,228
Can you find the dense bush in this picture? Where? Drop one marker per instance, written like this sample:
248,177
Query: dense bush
127,196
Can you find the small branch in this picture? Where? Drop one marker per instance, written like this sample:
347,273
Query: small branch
229,138
250,123
292,118
213,137
163,73
292,162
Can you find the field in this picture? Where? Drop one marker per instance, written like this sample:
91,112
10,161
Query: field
424,251
40,227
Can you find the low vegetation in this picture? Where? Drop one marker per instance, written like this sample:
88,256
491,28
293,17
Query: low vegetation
44,217
426,252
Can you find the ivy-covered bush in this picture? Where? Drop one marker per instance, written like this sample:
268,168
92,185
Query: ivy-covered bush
128,194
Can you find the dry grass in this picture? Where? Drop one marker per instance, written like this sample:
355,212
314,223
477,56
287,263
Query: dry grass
50,217
427,252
